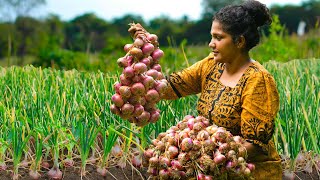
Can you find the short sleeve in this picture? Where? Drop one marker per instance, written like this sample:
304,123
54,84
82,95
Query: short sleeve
260,105
188,81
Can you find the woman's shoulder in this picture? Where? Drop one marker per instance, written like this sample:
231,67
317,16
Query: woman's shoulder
257,70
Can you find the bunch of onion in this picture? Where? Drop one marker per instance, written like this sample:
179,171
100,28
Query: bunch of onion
141,83
194,148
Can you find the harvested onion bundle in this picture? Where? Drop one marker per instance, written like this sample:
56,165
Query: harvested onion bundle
192,149
141,82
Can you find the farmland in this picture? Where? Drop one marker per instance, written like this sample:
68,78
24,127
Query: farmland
63,118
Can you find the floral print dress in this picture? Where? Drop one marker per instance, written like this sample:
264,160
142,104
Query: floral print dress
248,109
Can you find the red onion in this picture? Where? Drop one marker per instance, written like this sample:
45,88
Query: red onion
125,91
138,110
161,87
136,161
116,86
154,161
183,158
196,144
173,151
186,144
102,171
144,117
68,162
127,109
55,173
157,54
154,116
152,37
125,81
219,159
206,177
148,82
164,174
116,150
153,73
136,52
202,135
140,68
175,164
164,162
117,100
127,47
123,62
251,166
114,109
224,147
128,72
138,89
138,42
198,126
152,95
146,61
153,171
157,67
200,176
147,48
34,174
135,100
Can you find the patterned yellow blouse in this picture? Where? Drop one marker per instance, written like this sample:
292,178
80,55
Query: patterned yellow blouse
248,109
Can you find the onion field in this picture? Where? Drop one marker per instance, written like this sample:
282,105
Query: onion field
56,119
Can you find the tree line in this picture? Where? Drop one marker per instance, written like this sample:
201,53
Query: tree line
89,33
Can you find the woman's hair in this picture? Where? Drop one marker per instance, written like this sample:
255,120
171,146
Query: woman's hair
244,19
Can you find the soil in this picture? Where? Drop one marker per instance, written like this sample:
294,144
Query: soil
127,173
72,173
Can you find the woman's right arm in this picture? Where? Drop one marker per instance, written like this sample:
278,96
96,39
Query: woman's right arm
188,81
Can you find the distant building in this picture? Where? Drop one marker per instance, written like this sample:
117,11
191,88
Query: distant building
301,28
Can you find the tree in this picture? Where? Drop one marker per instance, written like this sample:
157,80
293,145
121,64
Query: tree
12,9
86,33
210,7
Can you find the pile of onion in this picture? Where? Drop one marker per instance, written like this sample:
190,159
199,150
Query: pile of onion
141,83
192,149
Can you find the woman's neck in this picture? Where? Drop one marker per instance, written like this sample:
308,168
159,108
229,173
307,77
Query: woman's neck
239,64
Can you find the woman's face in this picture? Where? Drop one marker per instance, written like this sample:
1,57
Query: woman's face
222,45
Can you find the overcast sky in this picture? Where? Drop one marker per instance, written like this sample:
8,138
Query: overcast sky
148,9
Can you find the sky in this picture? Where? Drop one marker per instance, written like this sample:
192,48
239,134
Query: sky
148,9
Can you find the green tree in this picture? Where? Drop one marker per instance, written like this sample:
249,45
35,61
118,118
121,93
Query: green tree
86,33
210,7
11,9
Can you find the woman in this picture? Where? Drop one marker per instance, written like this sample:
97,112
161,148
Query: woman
237,92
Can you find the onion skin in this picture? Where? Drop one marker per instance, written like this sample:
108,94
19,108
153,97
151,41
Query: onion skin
157,54
102,171
219,159
152,96
127,47
55,173
125,91
115,110
117,100
186,144
34,174
140,68
128,72
138,89
173,152
136,161
147,48
164,174
127,109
